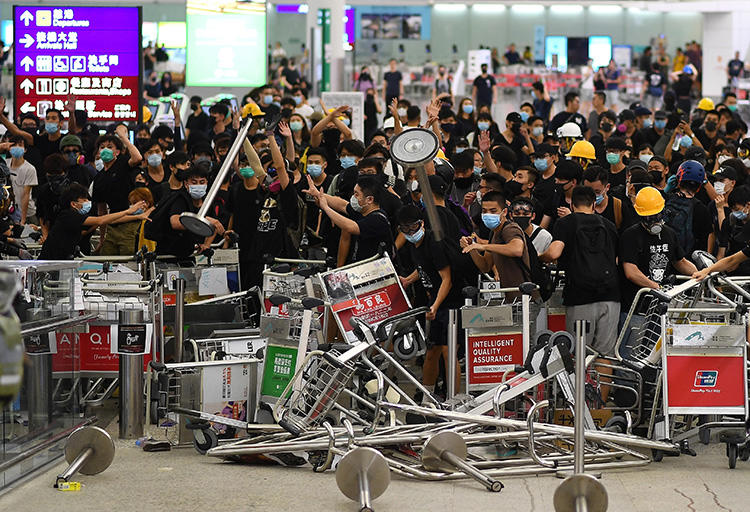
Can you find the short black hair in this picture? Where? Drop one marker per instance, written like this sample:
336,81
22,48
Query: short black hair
531,171
462,161
196,171
596,173
413,113
570,97
732,126
739,196
371,186
177,158
108,137
54,111
582,196
73,192
163,132
219,108
538,85
494,181
495,196
408,214
318,151
602,95
505,156
525,201
375,162
55,163
445,113
353,147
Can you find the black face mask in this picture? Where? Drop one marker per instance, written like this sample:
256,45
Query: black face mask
170,146
463,183
710,126
140,141
195,106
606,127
513,188
522,221
365,76
655,176
370,98
286,112
57,182
515,127
447,127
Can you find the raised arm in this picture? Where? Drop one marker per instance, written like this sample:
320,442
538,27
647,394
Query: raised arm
135,156
12,128
278,163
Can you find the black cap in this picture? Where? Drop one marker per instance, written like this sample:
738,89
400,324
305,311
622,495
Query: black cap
627,114
617,143
437,184
514,117
726,172
637,163
745,144
660,114
642,111
545,149
569,170
696,153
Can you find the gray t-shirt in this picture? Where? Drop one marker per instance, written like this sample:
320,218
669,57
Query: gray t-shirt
23,176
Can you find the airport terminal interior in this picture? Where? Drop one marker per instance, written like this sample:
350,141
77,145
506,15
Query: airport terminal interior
377,255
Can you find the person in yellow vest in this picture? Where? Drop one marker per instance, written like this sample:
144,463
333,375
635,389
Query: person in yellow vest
142,194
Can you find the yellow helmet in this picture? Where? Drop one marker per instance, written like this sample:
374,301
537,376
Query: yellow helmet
252,110
583,149
706,104
649,201
146,114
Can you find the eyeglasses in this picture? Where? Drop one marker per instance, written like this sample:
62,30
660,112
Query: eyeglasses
410,229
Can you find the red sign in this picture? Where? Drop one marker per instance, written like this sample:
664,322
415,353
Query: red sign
374,307
706,381
489,356
88,352
556,319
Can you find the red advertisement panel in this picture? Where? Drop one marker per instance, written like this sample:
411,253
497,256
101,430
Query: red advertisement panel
705,381
87,352
374,307
488,356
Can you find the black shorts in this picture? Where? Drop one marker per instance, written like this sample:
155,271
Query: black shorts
439,328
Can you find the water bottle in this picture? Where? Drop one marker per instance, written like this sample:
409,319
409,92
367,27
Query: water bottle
676,145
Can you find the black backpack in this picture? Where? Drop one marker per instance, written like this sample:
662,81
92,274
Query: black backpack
536,272
678,215
593,265
158,221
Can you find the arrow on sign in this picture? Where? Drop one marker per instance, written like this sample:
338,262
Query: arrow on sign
26,85
26,17
27,40
27,107
26,63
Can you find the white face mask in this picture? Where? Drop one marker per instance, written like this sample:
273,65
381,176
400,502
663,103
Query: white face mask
723,158
719,187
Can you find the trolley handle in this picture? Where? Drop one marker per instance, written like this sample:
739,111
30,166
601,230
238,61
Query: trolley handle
381,333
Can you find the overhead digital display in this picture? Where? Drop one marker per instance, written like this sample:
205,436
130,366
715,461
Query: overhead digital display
556,52
226,49
92,53
600,50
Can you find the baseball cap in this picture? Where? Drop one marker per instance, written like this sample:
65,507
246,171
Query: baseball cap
388,123
726,172
437,184
637,163
627,114
568,170
660,114
514,117
642,111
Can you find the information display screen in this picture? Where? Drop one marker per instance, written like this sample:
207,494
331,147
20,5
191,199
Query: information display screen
556,52
600,50
90,53
226,49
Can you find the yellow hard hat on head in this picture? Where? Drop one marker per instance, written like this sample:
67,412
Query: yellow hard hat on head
649,201
706,104
146,114
252,109
583,149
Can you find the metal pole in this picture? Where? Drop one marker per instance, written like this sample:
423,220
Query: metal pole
39,379
429,203
76,464
580,400
364,493
452,351
132,414
179,318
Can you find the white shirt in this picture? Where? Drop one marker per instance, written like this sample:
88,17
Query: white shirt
304,110
542,240
23,176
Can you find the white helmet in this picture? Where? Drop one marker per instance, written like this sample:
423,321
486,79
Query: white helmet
569,130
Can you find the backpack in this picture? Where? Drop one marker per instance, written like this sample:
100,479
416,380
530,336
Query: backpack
158,221
593,265
678,215
535,272
464,221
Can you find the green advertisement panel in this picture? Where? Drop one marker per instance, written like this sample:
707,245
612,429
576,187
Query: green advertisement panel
278,369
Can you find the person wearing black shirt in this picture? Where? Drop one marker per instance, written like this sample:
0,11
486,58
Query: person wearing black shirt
438,272
735,67
156,169
568,175
198,122
178,241
113,184
73,219
606,205
290,75
542,101
709,132
570,114
393,86
597,302
511,56
316,167
483,91
617,150
649,251
360,217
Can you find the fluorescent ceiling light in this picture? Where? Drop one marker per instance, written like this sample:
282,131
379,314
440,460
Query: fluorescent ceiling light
566,9
605,9
450,7
488,7
528,8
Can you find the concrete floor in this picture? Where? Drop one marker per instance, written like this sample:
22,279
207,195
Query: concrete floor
183,480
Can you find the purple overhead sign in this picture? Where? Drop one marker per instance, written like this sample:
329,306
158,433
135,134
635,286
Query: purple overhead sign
91,53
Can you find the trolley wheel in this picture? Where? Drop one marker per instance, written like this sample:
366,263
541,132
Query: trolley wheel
704,435
616,424
744,454
204,440
732,455
657,455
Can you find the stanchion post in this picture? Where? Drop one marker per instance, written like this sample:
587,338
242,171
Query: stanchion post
452,351
580,404
179,318
132,402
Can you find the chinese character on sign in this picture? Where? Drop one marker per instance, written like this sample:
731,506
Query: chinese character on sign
117,82
41,37
114,60
86,82
73,37
57,14
59,104
62,37
80,104
103,60
51,37
93,61
90,104
106,82
96,82
68,14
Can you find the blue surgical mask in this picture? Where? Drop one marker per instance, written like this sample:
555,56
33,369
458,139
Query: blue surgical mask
197,191
346,121
541,164
354,203
247,172
483,126
138,211
660,124
739,215
154,160
51,128
491,220
686,141
524,116
268,99
460,150
600,199
314,170
646,158
468,109
537,131
613,158
415,237
348,161
296,126
647,123
477,170
85,208
16,151
297,99
99,164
